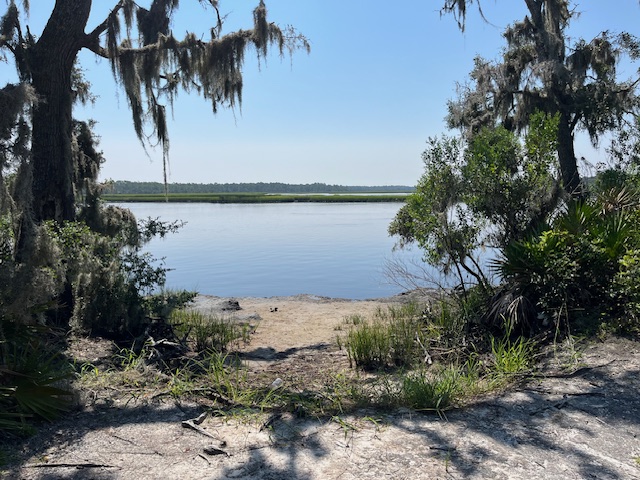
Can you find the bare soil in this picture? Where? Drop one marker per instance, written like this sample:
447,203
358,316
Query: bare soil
581,423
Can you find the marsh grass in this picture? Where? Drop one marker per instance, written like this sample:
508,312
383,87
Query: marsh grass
208,332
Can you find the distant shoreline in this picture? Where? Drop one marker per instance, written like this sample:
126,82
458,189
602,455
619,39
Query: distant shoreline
256,197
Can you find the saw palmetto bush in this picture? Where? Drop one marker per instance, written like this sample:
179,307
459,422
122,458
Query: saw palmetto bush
583,266
32,377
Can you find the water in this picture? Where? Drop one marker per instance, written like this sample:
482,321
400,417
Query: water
264,250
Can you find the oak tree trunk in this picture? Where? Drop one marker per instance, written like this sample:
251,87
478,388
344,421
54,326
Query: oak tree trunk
567,158
51,63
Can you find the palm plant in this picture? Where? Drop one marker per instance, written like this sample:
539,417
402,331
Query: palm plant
30,378
569,266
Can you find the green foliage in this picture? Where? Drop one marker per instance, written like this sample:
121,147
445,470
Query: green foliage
391,339
255,198
485,193
542,68
109,276
511,357
582,266
121,187
433,216
437,390
208,332
31,375
369,346
162,305
29,284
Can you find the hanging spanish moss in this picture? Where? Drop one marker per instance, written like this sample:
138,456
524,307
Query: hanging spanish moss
64,256
542,70
156,65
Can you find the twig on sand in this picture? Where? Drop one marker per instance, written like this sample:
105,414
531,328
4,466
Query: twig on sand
197,428
71,465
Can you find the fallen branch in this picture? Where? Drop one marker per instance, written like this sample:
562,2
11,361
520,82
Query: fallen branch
71,465
197,428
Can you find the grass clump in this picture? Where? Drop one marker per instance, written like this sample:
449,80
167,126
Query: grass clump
389,340
428,391
206,331
431,357
511,357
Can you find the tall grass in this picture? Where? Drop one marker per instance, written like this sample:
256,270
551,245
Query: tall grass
390,340
511,357
206,331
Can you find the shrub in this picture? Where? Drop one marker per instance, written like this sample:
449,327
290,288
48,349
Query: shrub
625,290
31,373
108,277
572,268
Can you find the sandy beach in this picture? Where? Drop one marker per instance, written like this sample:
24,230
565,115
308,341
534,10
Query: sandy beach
555,425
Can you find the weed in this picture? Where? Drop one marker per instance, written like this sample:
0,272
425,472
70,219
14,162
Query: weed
128,359
433,391
511,357
347,427
208,331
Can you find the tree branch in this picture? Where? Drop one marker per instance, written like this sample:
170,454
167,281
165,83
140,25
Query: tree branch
92,40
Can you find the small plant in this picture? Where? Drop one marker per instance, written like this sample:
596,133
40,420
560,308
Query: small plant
511,357
129,359
347,428
432,391
369,346
404,329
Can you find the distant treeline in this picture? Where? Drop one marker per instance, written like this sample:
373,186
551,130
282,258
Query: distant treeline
126,187
255,197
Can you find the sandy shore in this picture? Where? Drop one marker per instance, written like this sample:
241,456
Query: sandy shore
554,425
301,320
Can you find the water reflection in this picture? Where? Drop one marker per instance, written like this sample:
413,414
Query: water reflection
336,250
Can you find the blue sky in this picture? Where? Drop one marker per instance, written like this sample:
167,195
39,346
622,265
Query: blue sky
357,110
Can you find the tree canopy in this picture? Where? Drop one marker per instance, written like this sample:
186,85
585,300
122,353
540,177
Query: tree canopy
64,255
541,69
149,63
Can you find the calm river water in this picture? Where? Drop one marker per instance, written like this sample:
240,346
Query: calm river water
264,250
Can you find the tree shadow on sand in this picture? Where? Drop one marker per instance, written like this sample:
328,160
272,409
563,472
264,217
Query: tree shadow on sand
580,425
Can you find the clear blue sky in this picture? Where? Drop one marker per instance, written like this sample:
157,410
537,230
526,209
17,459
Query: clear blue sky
357,110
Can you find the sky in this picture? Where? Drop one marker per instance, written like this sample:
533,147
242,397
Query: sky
357,110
